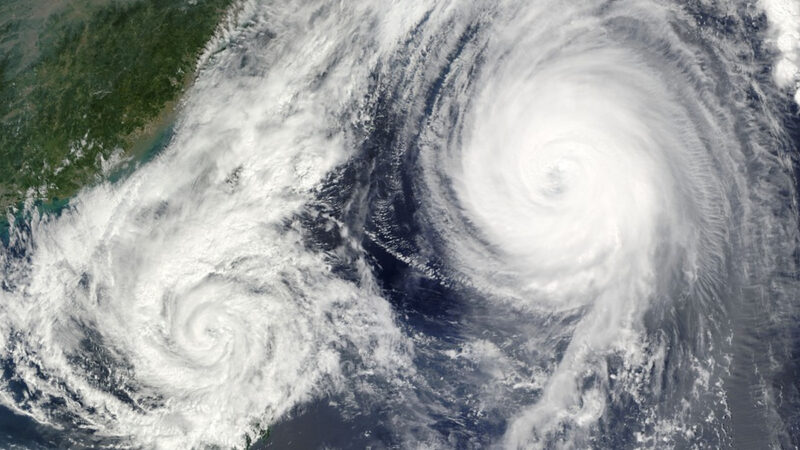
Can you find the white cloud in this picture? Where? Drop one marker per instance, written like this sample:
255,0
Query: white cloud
784,18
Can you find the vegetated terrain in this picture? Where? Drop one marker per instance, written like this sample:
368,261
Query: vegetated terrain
81,79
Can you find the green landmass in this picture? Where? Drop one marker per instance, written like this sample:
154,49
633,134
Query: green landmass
83,79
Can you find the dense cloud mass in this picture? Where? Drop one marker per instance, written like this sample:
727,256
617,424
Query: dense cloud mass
436,224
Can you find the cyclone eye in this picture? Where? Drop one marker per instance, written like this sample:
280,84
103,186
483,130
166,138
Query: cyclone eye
556,179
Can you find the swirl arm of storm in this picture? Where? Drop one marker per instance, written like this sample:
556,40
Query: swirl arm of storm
436,224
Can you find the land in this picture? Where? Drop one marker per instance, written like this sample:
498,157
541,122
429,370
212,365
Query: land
82,80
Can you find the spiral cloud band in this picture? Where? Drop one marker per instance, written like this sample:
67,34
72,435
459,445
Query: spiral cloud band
435,224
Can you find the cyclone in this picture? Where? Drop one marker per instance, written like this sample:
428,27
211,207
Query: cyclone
435,224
